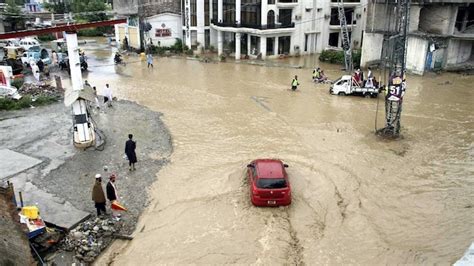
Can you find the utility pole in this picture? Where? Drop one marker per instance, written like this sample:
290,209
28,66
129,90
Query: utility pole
346,42
396,61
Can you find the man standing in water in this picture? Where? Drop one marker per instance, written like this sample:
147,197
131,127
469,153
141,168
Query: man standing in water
130,146
107,95
295,83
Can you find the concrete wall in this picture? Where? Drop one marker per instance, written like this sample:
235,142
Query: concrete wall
458,51
416,54
371,48
438,19
380,21
170,22
157,7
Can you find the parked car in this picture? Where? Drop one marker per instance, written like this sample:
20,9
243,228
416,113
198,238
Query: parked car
27,43
269,184
9,92
35,54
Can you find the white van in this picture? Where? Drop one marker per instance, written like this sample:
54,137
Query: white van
27,43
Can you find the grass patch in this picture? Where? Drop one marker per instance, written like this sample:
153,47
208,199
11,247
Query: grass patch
25,102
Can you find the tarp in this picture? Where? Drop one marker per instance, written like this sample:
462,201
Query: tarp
87,93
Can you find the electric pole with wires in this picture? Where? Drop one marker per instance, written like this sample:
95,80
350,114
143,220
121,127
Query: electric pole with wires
346,42
395,59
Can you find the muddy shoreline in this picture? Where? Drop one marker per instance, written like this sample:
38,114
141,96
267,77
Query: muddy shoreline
67,174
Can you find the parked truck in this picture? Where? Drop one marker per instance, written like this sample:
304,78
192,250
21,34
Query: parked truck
346,85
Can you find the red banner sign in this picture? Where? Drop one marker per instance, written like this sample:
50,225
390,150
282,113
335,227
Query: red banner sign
163,33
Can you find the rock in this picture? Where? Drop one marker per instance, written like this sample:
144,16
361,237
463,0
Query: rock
77,235
96,228
105,228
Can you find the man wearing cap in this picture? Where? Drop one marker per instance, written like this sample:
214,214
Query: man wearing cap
112,191
98,195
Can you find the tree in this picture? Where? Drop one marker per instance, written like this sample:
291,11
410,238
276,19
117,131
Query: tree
96,7
13,14
56,6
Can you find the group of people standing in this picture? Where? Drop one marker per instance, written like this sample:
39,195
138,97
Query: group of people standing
98,195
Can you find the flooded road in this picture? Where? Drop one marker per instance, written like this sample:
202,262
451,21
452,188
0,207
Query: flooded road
356,199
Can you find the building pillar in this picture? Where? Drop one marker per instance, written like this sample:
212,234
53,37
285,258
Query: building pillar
264,12
200,24
220,8
220,42
237,46
187,23
263,46
237,11
249,44
275,46
414,18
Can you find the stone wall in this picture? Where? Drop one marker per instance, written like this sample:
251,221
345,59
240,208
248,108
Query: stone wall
127,7
14,245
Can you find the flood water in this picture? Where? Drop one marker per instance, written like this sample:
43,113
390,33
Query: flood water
356,198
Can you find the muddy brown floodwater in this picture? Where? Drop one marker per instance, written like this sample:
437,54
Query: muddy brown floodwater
356,199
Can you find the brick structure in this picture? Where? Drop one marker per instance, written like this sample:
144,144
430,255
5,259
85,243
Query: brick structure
14,245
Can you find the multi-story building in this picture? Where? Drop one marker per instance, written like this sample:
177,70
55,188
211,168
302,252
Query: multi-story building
269,28
440,34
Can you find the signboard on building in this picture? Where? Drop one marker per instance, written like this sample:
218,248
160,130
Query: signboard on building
163,33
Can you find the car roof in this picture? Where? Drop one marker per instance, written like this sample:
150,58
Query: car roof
269,168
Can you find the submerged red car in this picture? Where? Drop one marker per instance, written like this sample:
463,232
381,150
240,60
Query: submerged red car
269,185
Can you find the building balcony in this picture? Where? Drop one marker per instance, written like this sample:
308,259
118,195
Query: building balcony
253,26
286,3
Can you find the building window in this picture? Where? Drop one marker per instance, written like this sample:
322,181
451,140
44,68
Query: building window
206,12
334,39
251,12
228,12
193,13
335,16
214,10
284,16
271,18
271,2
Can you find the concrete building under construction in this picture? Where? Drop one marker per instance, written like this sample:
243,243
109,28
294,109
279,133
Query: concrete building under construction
440,34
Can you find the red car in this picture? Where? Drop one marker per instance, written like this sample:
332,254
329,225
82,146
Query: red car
269,185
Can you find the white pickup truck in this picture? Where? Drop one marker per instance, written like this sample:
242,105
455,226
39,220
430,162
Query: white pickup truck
346,85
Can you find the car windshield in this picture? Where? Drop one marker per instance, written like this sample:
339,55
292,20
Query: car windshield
271,183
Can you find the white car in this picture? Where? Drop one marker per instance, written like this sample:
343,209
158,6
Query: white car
27,43
9,92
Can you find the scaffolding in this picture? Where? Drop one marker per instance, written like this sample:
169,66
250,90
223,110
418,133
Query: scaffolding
346,42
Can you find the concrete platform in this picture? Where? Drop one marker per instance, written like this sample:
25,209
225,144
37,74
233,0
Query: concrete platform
14,163
53,209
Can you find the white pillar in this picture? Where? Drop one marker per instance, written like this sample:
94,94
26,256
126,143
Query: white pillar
264,12
74,62
200,22
249,44
275,46
187,23
263,46
237,46
237,11
219,10
220,42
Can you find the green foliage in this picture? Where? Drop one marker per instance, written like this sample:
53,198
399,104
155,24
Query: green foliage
13,14
46,38
81,6
56,6
337,57
18,83
26,102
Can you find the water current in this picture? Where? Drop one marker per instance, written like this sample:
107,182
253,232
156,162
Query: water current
356,198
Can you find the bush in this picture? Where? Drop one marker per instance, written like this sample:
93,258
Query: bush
26,102
46,38
337,57
17,83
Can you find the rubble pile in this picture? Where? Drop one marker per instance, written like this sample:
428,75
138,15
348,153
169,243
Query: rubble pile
40,89
91,237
